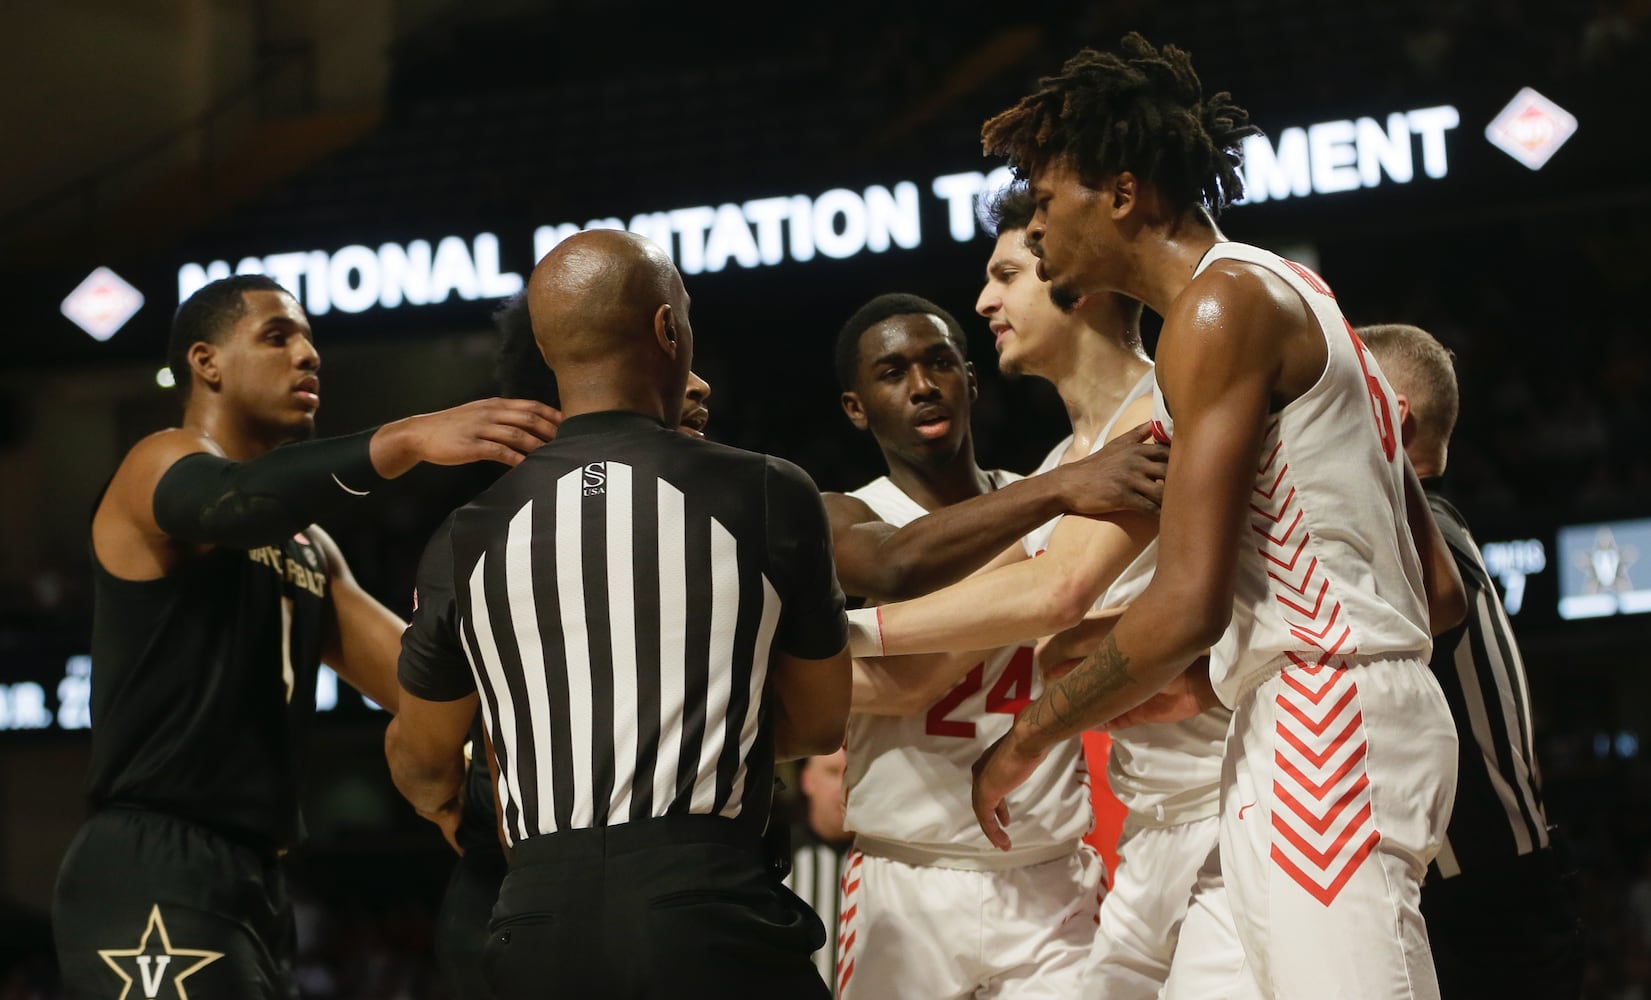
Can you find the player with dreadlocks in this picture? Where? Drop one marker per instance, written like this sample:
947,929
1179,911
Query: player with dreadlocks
1289,536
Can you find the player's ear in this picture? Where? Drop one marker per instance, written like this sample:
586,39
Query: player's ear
203,363
665,330
1407,419
974,382
856,412
1122,193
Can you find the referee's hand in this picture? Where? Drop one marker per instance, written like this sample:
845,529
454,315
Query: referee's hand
447,819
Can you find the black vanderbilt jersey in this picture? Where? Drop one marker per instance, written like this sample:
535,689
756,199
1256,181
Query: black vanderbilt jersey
203,684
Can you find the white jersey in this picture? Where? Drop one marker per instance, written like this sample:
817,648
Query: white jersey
1328,569
1166,773
909,778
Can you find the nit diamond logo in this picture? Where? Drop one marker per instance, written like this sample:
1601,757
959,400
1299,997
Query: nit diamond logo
102,304
1531,128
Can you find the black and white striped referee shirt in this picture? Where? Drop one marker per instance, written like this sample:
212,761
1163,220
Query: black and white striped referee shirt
615,599
1498,814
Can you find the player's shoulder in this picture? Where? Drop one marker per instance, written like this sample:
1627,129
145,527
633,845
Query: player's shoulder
160,449
846,509
1233,287
140,470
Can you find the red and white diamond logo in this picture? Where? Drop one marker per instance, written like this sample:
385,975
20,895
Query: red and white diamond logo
1531,128
102,303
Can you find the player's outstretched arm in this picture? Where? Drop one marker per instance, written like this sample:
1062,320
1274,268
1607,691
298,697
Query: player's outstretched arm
176,489
880,562
1219,360
902,685
1026,600
1447,598
487,430
362,637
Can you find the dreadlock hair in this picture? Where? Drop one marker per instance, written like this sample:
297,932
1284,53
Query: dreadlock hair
519,368
1144,111
207,315
876,311
1011,209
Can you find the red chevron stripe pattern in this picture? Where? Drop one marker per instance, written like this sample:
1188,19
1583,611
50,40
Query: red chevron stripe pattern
847,921
1323,828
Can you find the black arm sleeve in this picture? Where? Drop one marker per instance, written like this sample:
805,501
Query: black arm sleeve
432,665
811,622
242,505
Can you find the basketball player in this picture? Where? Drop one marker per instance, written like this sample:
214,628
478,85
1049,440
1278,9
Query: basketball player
1168,774
473,886
1501,916
1289,514
216,598
920,872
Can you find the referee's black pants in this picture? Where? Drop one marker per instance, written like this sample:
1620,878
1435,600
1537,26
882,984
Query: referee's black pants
678,907
1507,930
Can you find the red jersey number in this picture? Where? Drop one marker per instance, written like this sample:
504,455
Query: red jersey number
1372,384
1378,398
1011,693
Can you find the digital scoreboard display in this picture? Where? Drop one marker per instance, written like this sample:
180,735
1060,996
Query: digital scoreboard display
1601,569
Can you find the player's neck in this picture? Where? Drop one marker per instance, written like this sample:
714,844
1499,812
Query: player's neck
1093,379
238,437
933,486
1166,259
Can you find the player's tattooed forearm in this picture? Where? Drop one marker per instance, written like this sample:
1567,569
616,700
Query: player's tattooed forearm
1103,674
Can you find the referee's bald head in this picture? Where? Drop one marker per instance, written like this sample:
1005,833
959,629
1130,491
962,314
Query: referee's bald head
603,296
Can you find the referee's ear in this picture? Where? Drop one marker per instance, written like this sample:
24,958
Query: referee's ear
665,330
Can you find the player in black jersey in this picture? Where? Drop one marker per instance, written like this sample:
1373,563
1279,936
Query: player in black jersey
216,598
473,887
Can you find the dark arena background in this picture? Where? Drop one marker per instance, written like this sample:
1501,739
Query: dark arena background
1466,166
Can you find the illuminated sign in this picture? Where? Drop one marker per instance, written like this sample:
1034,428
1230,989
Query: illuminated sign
1511,563
1336,156
1531,128
1599,573
357,278
837,224
67,705
102,304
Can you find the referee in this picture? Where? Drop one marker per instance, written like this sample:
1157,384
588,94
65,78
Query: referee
648,621
1500,913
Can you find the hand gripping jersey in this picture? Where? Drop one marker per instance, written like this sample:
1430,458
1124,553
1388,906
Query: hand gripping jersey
1328,569
1166,773
908,779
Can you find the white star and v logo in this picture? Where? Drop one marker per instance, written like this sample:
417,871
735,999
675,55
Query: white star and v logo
154,967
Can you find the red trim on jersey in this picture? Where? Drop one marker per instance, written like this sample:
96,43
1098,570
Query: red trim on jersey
1312,792
847,932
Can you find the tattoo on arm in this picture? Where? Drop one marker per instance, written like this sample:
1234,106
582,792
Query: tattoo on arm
1103,674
